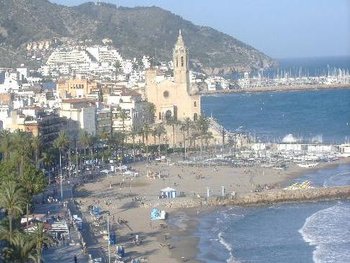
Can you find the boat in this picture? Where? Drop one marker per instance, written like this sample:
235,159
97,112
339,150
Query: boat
297,186
307,165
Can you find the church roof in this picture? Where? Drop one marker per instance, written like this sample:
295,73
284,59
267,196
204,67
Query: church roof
180,40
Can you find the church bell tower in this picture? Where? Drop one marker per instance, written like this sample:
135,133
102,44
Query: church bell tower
180,60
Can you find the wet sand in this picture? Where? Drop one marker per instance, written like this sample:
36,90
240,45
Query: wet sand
130,200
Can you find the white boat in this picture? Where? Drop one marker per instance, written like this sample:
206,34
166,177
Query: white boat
298,186
307,165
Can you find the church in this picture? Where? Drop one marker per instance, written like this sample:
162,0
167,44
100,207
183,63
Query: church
172,97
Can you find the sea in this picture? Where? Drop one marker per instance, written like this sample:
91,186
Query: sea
299,232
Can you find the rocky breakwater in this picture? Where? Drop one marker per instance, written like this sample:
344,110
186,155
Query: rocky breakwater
280,196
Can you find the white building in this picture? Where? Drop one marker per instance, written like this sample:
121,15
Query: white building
82,112
94,61
129,102
9,81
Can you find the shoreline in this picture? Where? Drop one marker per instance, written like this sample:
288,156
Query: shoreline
169,241
262,89
193,212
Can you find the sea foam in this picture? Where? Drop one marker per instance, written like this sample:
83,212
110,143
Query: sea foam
329,231
228,248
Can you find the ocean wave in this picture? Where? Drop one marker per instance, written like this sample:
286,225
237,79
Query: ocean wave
329,231
317,139
289,138
228,248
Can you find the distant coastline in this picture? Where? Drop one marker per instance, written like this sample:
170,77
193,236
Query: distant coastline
280,88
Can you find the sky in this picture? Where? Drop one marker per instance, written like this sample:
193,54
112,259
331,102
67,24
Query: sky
279,28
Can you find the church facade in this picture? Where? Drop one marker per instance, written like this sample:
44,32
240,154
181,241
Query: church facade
172,97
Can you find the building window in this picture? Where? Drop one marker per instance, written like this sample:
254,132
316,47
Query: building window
182,61
177,62
160,115
195,116
195,104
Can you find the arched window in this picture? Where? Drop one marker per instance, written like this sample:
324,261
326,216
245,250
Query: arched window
195,116
195,104
160,115
182,61
177,62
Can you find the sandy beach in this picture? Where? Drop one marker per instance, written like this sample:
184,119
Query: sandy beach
129,200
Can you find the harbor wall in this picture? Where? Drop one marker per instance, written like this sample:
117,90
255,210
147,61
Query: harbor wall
282,88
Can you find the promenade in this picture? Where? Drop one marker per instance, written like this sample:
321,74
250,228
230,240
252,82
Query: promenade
65,250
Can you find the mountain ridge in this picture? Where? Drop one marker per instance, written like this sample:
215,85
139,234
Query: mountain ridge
135,32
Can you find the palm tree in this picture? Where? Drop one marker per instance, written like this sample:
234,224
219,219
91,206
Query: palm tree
36,145
85,140
61,143
40,238
23,246
123,116
146,132
185,128
154,134
173,122
33,180
159,131
47,161
133,135
151,111
12,199
5,143
202,126
207,137
93,145
5,231
141,134
22,147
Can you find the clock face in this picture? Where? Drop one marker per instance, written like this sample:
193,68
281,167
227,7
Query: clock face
166,94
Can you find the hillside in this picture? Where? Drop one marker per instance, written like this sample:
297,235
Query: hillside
135,32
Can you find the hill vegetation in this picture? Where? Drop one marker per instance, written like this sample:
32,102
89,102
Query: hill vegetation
135,32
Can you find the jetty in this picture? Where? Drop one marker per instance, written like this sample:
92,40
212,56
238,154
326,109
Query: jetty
266,197
285,196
